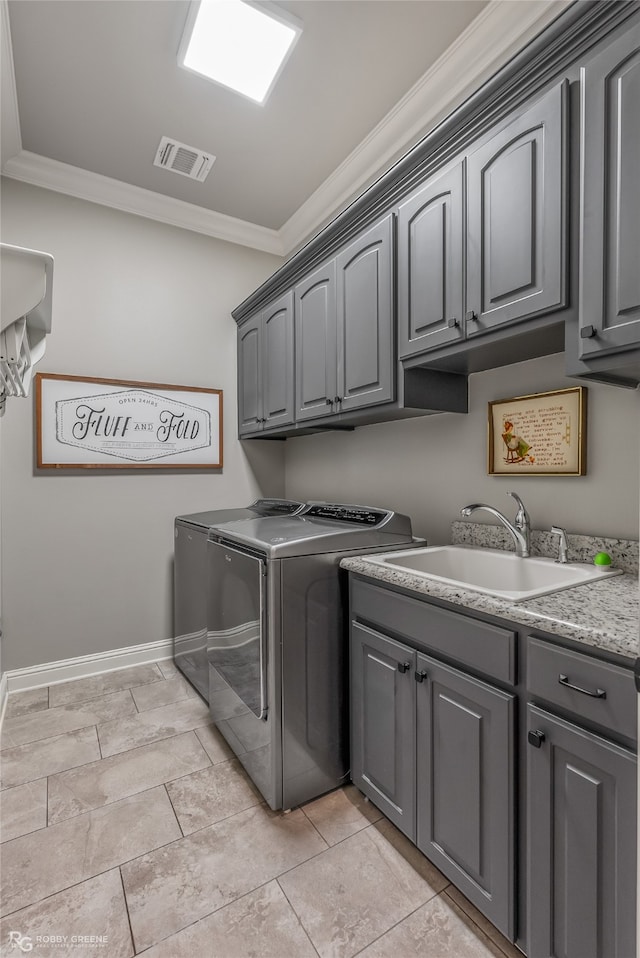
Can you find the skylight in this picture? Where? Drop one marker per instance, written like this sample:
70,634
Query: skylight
241,44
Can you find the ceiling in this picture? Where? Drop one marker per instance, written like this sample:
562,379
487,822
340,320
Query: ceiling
96,85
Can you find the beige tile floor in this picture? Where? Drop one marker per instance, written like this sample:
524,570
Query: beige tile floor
125,818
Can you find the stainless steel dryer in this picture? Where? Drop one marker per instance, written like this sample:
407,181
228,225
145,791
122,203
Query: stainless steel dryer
190,581
277,646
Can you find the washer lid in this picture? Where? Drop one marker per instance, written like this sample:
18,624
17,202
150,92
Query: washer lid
261,507
322,527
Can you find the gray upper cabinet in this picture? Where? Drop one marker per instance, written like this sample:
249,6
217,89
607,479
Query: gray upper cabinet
430,250
365,319
250,376
465,779
316,342
581,842
265,368
610,198
516,219
345,328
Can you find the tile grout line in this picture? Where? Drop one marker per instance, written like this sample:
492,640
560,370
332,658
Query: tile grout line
175,814
126,908
83,764
298,918
89,877
481,931
122,798
399,922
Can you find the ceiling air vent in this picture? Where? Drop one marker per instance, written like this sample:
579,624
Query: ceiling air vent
183,159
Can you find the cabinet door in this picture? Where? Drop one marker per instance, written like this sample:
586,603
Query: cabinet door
430,280
315,343
250,376
581,845
383,724
516,231
366,354
465,776
610,228
277,362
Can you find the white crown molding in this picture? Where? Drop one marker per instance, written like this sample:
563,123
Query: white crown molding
83,666
10,138
499,31
63,178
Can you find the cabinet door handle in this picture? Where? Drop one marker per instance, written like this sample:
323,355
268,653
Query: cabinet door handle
598,694
452,323
536,738
404,666
588,332
420,676
337,399
329,402
471,317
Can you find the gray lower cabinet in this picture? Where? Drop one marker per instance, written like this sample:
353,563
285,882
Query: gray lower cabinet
517,218
344,323
265,368
465,781
432,747
581,842
610,199
383,724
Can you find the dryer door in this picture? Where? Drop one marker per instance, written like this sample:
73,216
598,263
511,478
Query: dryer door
236,635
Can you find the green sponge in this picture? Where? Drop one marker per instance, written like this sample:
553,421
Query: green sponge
602,558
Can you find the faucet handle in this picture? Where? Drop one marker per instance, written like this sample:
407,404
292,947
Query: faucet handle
562,543
522,516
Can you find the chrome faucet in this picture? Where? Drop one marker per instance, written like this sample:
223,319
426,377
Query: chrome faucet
520,529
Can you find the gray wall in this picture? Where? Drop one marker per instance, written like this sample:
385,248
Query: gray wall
431,467
87,556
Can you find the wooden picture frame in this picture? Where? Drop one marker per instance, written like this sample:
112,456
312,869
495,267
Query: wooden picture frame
543,434
87,423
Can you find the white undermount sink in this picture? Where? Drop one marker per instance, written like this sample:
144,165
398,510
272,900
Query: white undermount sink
501,574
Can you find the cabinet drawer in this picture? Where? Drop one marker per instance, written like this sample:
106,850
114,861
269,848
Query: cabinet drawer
552,670
480,646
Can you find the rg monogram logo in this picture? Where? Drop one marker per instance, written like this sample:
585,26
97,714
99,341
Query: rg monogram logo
23,942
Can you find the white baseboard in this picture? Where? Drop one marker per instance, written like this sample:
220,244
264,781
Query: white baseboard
51,673
3,696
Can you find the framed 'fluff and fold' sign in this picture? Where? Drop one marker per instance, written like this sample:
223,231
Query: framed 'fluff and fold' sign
85,423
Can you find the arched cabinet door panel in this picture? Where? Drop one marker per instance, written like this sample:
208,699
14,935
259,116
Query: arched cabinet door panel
517,218
315,348
430,281
366,354
610,198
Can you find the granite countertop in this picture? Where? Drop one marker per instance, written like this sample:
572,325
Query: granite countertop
603,614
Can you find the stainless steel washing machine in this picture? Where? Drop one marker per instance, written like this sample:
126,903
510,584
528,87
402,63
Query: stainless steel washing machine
190,581
277,641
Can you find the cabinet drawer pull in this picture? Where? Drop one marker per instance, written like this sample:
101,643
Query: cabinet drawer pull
536,739
598,694
404,666
588,332
420,676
